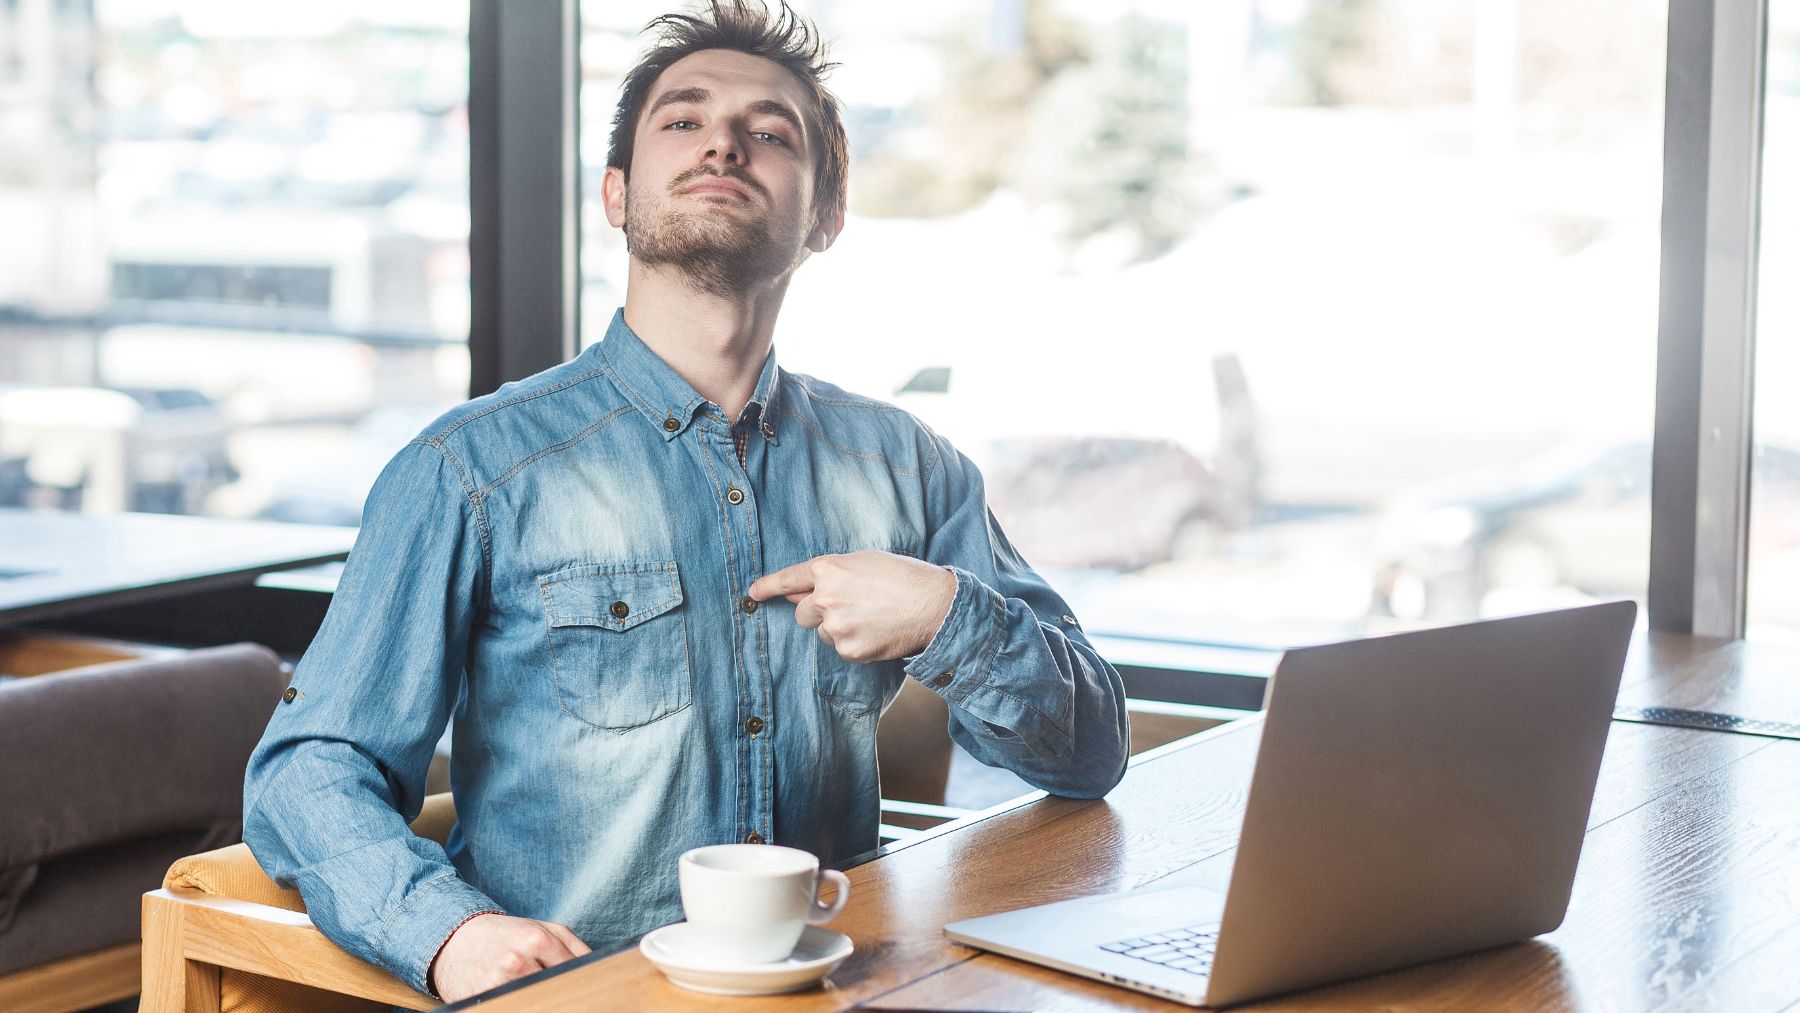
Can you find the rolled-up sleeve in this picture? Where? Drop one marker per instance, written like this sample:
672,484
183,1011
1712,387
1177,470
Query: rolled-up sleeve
1026,690
340,770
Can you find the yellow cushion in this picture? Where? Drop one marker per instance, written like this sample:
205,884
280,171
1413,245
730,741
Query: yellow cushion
436,816
230,872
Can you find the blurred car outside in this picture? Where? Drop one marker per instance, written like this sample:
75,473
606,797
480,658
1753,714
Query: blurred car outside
1572,525
1110,497
101,450
1106,502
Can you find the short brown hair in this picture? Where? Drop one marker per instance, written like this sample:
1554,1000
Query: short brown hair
751,28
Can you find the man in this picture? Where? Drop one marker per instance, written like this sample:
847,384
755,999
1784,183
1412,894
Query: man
664,589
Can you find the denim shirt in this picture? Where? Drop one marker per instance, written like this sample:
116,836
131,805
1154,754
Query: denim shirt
561,568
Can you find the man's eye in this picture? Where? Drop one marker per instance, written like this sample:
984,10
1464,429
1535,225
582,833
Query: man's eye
682,124
768,138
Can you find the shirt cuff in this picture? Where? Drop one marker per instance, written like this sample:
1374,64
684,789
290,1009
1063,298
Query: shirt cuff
420,929
955,661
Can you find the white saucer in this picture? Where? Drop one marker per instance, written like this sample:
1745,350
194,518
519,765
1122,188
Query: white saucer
818,953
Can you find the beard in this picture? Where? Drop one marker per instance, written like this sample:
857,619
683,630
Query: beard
723,253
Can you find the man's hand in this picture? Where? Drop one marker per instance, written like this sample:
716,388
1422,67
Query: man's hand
492,949
869,605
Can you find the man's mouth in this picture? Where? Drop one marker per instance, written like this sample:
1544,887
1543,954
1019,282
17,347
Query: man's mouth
718,186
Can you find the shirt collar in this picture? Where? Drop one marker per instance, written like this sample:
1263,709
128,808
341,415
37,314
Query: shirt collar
764,397
660,394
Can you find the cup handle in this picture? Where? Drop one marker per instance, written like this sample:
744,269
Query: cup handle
820,913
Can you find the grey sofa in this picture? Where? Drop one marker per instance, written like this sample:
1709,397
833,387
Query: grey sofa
107,775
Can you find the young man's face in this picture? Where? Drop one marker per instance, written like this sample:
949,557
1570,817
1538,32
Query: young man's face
721,183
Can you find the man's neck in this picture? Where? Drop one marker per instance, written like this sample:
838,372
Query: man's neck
716,343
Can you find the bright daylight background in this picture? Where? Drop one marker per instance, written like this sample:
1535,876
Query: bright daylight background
1270,321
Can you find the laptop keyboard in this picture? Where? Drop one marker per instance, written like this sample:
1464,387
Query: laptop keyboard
1189,949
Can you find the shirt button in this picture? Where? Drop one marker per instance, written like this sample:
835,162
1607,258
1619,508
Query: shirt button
944,680
768,430
1069,619
748,604
620,610
288,697
734,496
670,425
755,724
754,838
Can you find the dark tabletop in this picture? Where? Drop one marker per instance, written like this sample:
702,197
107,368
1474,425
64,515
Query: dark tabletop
55,564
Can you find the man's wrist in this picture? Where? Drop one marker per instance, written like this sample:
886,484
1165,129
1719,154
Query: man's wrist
431,968
946,598
949,661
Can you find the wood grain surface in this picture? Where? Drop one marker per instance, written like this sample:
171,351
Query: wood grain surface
1744,678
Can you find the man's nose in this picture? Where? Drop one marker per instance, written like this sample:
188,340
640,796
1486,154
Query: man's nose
723,145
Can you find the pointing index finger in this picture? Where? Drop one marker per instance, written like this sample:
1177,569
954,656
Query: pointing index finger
796,579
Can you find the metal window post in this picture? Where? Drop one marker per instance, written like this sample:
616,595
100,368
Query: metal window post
1712,171
524,188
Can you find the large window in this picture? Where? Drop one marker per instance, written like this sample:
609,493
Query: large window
1267,320
235,276
1774,565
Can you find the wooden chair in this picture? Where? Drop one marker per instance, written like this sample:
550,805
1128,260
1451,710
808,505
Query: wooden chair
220,935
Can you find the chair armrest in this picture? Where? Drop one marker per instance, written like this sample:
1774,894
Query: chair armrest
230,874
218,909
183,928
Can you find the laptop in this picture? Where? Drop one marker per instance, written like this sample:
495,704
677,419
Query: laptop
1415,797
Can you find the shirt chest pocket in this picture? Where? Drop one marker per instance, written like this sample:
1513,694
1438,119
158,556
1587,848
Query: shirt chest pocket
618,642
857,690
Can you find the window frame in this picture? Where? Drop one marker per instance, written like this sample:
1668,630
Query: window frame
524,189
1712,202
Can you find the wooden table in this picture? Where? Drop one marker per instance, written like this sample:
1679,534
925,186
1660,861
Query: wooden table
55,564
1687,898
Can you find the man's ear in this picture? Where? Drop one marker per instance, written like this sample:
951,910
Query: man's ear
612,194
825,232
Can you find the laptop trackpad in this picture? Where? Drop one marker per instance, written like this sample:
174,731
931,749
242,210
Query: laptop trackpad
1170,908
1076,927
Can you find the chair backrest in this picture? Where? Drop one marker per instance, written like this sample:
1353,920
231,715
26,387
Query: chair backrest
913,747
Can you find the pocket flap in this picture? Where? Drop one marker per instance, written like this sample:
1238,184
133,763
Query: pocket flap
615,596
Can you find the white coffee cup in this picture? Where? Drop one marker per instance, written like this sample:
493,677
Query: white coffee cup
748,903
